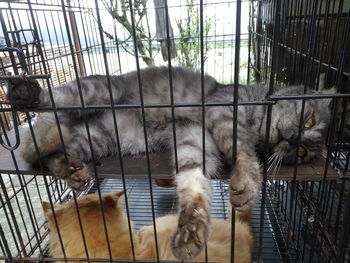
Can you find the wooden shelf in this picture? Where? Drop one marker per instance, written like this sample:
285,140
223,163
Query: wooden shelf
136,166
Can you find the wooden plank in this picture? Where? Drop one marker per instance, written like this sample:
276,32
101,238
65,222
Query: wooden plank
136,166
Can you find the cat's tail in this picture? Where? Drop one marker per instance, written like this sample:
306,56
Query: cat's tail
47,138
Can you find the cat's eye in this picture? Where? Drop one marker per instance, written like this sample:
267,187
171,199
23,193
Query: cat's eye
301,151
309,123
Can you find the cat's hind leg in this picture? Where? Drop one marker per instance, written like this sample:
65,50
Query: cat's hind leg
193,189
46,136
49,145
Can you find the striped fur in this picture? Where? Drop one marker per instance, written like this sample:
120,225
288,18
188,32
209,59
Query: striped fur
194,195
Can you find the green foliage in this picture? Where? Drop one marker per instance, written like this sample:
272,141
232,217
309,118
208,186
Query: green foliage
120,10
188,45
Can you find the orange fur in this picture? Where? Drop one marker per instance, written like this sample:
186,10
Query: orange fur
91,217
219,241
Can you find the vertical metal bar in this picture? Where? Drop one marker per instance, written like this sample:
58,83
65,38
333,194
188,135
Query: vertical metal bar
52,48
268,120
5,244
249,43
60,23
343,244
115,125
87,127
77,45
258,36
308,214
326,33
313,54
94,36
46,186
143,122
288,27
215,40
332,202
342,61
335,34
310,48
3,251
117,47
8,201
201,29
3,204
7,40
235,112
41,54
346,44
86,40
171,83
58,48
17,201
77,209
39,36
19,208
339,211
296,55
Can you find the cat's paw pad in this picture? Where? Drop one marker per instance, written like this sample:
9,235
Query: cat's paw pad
243,192
78,177
192,232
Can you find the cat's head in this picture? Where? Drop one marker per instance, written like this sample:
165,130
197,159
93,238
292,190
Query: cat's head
285,122
66,213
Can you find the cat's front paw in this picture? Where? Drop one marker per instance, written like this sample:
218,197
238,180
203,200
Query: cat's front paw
24,92
75,172
245,187
192,232
79,178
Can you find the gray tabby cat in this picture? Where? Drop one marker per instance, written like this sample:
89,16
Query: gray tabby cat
193,187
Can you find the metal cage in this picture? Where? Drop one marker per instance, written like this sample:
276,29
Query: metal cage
303,214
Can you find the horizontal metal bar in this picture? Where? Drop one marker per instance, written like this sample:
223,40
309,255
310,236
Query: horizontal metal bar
36,6
138,106
310,96
38,259
272,101
38,76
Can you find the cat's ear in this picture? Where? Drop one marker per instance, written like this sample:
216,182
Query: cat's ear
46,207
327,102
121,193
321,81
112,198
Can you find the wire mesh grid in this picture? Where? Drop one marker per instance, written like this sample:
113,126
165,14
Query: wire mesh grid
291,42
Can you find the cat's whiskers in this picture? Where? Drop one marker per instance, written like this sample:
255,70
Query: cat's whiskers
275,161
271,161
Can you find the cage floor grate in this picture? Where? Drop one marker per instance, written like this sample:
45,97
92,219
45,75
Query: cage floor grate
165,202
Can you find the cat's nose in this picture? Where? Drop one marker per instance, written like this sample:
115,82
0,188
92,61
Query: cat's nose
293,140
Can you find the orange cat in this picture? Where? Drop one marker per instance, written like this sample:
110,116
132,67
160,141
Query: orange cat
219,242
92,221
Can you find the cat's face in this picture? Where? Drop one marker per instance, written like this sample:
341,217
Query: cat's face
285,130
90,204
